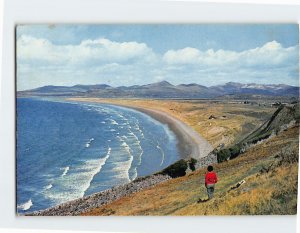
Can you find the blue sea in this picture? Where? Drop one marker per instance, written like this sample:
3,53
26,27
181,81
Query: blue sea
67,150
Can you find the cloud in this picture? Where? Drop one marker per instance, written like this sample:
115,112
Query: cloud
88,51
183,56
41,62
270,54
270,63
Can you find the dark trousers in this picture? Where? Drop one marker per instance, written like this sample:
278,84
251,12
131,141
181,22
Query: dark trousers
210,190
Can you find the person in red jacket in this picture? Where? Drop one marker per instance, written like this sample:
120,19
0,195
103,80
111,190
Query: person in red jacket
210,180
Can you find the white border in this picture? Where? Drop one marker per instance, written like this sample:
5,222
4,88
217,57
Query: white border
121,11
263,2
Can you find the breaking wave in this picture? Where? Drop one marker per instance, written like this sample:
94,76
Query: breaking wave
48,186
101,163
66,169
89,142
25,206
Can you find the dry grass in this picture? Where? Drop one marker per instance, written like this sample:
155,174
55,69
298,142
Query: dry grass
269,169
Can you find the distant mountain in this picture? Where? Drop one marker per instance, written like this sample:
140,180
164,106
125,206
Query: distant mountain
257,89
165,89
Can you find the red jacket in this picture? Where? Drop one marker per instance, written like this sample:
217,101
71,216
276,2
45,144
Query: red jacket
211,178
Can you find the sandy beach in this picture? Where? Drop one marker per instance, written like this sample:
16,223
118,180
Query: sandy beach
190,143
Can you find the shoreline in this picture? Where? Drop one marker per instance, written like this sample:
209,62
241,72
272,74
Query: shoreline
84,204
190,144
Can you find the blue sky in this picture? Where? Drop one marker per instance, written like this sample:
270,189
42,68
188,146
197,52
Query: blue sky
207,54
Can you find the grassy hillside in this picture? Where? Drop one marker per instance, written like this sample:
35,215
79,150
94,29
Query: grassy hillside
269,170
282,118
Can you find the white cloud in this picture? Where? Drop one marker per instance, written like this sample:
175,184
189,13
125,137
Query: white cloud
30,48
88,51
40,62
182,56
270,54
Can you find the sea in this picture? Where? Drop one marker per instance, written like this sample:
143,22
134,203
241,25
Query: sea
67,150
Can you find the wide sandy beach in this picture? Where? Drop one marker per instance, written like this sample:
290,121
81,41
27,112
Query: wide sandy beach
190,143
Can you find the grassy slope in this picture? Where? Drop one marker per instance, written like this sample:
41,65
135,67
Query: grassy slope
269,169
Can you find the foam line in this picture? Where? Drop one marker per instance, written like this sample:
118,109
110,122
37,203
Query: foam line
88,144
25,206
129,164
113,122
98,169
66,169
138,142
162,154
49,186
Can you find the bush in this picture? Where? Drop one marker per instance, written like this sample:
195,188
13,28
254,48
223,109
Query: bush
192,164
176,170
234,151
229,153
223,155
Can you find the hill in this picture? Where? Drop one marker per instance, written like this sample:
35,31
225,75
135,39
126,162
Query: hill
164,89
261,181
284,117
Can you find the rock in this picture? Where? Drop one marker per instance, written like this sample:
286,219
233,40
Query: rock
211,158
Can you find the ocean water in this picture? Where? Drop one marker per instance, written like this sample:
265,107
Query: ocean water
66,150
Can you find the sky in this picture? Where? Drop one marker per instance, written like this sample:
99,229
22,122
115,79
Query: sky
137,54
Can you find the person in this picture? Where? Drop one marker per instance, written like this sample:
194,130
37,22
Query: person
210,180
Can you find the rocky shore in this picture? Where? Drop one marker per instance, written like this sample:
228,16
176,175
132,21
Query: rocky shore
84,204
210,159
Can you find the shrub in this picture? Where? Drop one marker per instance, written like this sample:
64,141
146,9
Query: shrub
234,151
229,153
176,170
192,164
223,155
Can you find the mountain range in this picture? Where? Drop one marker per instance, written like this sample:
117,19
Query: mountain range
164,89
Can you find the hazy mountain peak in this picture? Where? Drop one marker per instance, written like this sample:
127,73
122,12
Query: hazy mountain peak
233,84
163,83
164,89
160,84
188,85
